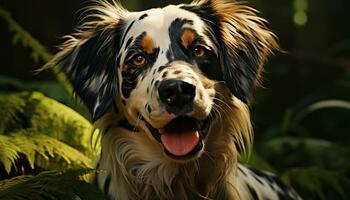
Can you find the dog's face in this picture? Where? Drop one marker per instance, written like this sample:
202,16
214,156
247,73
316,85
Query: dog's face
164,69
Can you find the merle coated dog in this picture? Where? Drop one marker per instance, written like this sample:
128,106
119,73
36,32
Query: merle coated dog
168,87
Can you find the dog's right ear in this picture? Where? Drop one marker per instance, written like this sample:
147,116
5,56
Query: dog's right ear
88,57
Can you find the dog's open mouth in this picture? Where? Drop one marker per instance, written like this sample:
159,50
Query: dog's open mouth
182,137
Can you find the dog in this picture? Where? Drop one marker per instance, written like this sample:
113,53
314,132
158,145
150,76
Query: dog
169,90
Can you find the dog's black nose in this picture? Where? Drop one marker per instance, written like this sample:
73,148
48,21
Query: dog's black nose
176,95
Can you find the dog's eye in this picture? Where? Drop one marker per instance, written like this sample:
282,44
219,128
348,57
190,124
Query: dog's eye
139,60
199,51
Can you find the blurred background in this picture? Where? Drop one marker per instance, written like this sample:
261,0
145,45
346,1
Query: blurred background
301,115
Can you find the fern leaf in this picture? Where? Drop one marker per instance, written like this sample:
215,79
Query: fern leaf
10,107
51,185
61,122
47,116
8,152
39,150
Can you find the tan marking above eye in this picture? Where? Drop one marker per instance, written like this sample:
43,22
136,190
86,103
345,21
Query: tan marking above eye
187,37
147,44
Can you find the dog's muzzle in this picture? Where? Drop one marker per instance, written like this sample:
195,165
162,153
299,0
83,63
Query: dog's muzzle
177,96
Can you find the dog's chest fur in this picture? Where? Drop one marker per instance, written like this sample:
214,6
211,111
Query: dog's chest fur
138,170
242,183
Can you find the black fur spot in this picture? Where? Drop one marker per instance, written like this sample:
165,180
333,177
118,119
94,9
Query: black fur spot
106,184
149,110
161,68
261,174
128,43
156,83
127,31
241,170
176,51
143,16
252,192
177,72
274,181
258,179
165,74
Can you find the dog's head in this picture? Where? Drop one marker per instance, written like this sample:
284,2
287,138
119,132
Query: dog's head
166,69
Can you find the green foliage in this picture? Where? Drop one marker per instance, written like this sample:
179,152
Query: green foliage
293,117
308,151
64,139
51,185
316,167
49,88
39,150
314,180
10,107
8,153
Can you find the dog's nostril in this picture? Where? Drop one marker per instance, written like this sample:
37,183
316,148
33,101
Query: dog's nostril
176,93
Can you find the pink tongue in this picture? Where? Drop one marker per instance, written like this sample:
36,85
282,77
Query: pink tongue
180,144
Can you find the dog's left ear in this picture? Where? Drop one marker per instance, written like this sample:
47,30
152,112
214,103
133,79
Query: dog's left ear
243,41
89,57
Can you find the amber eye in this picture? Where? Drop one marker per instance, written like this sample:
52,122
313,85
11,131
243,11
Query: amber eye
199,51
139,60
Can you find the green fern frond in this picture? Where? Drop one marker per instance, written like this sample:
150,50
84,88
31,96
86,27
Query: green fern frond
61,122
48,134
51,185
8,152
36,147
46,116
10,107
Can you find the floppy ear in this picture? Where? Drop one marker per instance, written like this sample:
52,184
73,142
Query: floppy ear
243,41
88,58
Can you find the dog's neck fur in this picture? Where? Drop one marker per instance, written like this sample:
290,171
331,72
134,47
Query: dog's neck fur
139,169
